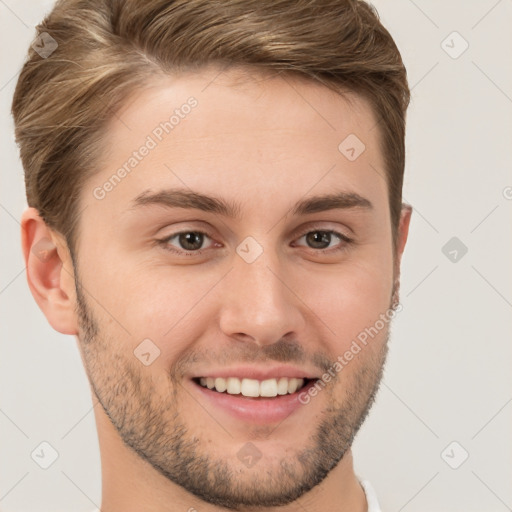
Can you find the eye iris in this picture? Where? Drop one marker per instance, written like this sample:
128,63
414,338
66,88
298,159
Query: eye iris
324,238
191,241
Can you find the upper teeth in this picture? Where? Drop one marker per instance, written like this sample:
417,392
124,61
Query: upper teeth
253,387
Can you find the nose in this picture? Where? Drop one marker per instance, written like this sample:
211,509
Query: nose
258,303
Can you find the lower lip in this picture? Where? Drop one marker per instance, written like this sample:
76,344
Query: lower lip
257,410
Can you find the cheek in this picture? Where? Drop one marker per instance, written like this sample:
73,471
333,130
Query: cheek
349,299
166,307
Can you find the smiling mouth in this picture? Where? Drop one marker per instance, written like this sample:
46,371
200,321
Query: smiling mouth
253,388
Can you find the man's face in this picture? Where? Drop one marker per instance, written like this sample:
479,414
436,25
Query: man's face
174,295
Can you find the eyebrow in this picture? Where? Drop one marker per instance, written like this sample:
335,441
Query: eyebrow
180,198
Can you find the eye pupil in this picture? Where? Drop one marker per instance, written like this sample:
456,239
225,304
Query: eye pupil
324,238
191,241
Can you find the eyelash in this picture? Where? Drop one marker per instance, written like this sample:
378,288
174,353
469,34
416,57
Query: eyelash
165,242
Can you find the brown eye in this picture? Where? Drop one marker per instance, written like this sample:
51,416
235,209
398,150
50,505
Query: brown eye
322,240
185,242
191,241
318,239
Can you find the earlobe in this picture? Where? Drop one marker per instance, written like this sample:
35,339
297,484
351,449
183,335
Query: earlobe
49,272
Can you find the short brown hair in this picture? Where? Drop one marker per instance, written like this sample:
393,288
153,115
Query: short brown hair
109,48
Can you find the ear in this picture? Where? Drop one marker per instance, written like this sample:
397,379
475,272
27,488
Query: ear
50,272
403,231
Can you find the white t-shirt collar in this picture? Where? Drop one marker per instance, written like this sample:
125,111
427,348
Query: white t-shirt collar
371,497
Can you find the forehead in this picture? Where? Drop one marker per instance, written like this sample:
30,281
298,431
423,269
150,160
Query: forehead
261,101
258,137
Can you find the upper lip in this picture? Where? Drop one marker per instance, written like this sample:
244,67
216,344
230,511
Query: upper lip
252,372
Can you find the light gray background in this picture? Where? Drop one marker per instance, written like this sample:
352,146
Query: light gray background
448,376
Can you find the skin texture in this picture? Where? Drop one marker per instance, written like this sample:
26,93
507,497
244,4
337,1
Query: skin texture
265,143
